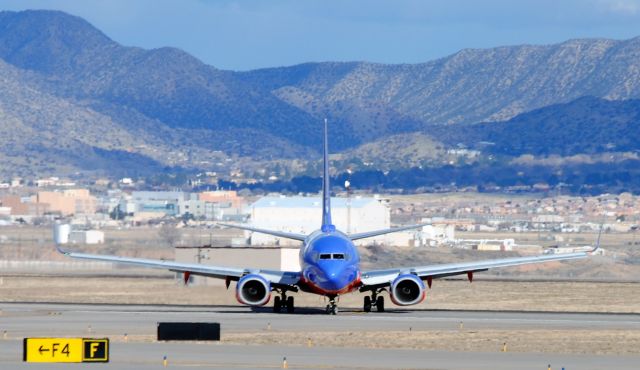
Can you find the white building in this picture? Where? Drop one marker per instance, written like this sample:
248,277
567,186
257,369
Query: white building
191,205
303,215
437,234
574,249
87,237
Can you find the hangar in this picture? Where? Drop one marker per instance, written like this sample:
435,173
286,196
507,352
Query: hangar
303,215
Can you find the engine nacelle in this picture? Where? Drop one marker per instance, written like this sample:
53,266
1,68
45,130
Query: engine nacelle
407,289
253,290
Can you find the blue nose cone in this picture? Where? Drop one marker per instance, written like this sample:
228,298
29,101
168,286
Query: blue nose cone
335,276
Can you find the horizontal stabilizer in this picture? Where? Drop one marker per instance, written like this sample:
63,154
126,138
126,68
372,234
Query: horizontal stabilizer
370,234
280,234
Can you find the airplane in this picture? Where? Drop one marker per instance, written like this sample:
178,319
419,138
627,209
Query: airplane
330,266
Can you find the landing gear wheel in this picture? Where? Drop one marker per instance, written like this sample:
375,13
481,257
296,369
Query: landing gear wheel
380,304
290,306
332,307
367,304
277,304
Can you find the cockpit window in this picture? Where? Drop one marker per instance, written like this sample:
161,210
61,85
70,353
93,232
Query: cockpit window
332,256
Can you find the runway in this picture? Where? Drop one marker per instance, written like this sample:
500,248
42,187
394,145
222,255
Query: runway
138,322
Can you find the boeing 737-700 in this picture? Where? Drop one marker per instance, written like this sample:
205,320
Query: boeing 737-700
330,266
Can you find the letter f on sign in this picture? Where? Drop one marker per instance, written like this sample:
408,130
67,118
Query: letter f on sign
94,348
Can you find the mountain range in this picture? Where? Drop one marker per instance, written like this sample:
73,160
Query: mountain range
73,100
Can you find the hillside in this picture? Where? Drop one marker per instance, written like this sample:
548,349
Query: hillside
140,110
467,87
77,61
396,151
586,125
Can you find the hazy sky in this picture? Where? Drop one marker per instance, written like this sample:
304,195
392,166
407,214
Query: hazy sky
241,35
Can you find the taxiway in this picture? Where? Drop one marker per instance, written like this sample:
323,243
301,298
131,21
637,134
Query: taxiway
137,323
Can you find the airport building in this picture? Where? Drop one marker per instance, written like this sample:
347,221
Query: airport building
19,206
86,237
210,205
438,233
303,215
66,203
161,202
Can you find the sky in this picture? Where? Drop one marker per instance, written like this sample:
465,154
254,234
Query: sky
250,34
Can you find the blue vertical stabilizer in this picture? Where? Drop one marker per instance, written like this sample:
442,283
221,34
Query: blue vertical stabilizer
327,226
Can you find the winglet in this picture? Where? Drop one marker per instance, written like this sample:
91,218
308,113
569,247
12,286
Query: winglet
60,250
597,246
61,236
327,226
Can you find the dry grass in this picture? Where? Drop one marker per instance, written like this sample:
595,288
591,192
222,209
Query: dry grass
575,341
619,342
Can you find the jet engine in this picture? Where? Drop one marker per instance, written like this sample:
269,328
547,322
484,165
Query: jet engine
407,289
253,290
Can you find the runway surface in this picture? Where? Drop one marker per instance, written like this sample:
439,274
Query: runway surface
21,320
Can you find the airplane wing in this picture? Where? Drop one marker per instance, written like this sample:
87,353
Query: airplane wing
281,234
230,273
369,234
382,278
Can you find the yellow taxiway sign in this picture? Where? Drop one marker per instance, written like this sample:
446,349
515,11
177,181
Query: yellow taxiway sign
65,350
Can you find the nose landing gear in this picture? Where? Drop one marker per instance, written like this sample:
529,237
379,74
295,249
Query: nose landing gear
332,307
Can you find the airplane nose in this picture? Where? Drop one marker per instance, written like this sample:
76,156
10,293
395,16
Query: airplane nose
336,278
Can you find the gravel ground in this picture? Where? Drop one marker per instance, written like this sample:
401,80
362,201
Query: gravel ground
618,342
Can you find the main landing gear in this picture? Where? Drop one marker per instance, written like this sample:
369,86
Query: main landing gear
375,300
283,302
332,307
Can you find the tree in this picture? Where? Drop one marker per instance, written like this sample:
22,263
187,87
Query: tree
117,213
187,217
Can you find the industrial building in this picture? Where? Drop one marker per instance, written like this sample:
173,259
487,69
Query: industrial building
165,202
66,203
210,205
303,215
23,206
